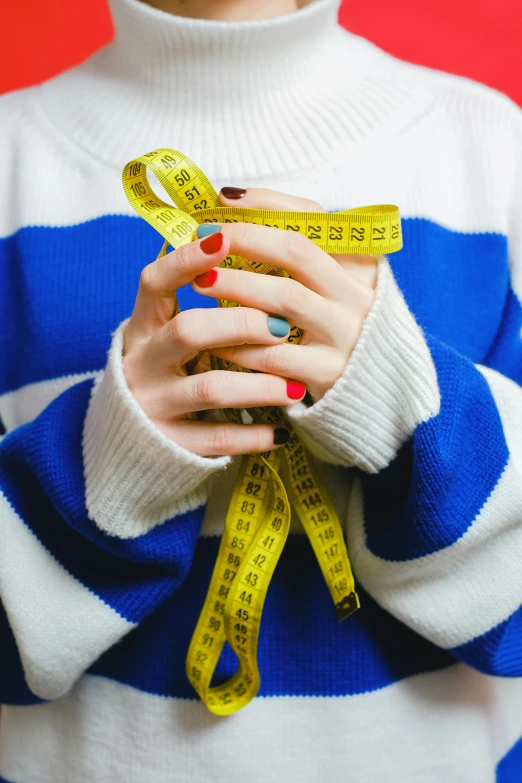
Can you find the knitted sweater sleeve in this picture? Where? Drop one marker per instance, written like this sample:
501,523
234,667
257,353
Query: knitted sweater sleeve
434,442
99,518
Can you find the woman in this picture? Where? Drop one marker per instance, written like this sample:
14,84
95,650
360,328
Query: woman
113,491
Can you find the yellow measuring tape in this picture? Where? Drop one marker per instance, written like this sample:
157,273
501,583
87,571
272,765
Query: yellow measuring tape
258,518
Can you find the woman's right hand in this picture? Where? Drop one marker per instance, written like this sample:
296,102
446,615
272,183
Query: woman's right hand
157,346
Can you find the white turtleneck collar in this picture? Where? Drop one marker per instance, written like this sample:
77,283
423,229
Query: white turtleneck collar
246,100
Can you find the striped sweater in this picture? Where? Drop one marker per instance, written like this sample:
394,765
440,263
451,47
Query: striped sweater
109,531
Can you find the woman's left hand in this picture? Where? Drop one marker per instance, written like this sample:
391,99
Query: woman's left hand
327,296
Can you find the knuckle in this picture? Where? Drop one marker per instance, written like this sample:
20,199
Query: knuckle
265,388
241,231
275,360
208,390
148,279
221,440
259,439
183,258
182,328
234,355
246,323
296,245
292,297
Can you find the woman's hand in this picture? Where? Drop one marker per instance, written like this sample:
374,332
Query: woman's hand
329,296
157,346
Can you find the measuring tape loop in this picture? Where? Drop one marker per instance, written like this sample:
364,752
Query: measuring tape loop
258,517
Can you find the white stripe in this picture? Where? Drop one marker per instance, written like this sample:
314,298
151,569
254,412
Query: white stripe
516,265
515,229
60,626
102,194
393,173
77,193
26,403
464,590
452,725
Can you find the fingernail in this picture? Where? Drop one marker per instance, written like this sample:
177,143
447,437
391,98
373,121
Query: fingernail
212,243
207,279
205,229
295,390
281,435
279,327
233,192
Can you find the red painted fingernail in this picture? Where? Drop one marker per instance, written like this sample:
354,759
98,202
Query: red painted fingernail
212,243
207,278
295,390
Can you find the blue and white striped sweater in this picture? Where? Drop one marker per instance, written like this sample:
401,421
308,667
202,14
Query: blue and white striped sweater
421,450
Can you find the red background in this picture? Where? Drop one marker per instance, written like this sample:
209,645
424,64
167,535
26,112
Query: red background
481,39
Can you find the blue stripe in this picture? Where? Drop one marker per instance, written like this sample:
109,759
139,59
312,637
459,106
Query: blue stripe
303,651
41,474
499,651
63,291
509,770
505,354
455,284
427,498
60,322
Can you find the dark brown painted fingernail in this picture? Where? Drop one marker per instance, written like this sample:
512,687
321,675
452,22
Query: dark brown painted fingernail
281,435
233,192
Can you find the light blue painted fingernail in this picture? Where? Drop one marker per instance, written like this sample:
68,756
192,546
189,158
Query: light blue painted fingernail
278,326
207,228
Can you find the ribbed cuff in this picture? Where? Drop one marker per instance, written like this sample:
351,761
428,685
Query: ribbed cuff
136,477
389,386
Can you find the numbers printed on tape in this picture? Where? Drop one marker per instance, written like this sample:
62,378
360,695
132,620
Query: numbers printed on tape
258,517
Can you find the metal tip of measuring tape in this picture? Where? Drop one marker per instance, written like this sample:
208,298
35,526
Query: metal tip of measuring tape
347,606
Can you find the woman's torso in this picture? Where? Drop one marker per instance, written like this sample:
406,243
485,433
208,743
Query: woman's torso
335,699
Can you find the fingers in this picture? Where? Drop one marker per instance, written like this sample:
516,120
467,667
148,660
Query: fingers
154,305
263,198
301,258
218,389
289,361
362,268
304,261
216,440
284,296
192,331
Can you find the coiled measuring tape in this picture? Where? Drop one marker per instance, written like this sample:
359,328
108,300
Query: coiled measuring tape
258,518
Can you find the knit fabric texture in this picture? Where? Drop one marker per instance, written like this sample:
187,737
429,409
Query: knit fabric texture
109,531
